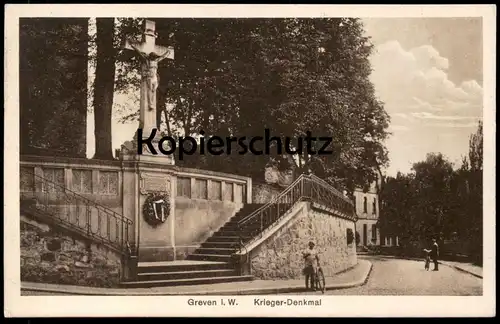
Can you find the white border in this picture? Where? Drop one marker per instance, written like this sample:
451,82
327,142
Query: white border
41,306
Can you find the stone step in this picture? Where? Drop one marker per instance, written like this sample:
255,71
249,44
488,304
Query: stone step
240,230
224,238
209,257
184,282
221,244
158,276
185,265
227,233
218,251
235,224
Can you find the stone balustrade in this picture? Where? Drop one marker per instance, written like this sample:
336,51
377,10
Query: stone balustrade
203,200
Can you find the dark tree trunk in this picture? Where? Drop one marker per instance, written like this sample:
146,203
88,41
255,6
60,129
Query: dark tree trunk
104,88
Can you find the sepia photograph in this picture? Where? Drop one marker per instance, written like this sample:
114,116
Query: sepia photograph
250,162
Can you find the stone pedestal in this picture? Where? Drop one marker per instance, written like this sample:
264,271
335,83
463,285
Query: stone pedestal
129,151
149,175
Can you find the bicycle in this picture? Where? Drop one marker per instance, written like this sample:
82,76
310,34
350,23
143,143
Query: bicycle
319,280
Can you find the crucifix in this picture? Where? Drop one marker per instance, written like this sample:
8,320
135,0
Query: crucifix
150,55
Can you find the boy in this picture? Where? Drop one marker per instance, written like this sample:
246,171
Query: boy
310,256
427,259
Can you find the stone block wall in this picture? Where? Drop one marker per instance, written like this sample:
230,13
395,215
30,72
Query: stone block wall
51,256
280,256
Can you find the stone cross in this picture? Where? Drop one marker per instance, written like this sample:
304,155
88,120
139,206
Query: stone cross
150,55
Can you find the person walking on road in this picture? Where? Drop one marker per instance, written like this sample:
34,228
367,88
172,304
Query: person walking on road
435,254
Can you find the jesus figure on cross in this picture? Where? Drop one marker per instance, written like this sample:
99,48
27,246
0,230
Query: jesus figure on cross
150,72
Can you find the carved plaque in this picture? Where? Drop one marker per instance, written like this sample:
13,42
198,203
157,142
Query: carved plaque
154,183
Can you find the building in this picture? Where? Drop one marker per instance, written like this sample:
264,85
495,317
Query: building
368,211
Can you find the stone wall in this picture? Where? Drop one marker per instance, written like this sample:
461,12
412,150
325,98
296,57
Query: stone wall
193,222
52,256
280,256
196,221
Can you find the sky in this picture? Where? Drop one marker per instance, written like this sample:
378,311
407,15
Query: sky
427,71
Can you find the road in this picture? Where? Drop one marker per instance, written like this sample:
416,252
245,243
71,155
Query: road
405,277
399,277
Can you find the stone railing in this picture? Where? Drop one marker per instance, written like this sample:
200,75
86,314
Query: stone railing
201,199
207,185
85,197
100,181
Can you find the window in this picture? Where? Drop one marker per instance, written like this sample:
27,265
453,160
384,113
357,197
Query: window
365,235
374,233
374,208
55,179
365,205
108,183
184,187
82,181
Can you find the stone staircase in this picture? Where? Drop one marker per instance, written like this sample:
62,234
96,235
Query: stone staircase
210,263
223,243
185,272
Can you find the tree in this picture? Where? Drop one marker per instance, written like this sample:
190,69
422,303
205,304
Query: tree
397,202
433,179
53,86
104,87
475,191
437,201
287,75
476,149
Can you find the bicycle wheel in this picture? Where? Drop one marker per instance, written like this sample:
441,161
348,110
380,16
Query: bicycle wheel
320,281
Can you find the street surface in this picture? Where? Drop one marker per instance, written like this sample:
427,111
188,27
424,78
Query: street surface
398,277
406,277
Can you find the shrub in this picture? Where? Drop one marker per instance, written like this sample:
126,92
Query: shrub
350,236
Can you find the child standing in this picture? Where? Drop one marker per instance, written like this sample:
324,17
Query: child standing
427,259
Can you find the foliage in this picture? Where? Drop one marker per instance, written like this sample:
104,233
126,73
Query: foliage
437,201
288,75
350,236
53,92
476,149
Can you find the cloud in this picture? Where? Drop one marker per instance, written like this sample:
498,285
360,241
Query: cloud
429,112
454,125
428,57
426,115
416,80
